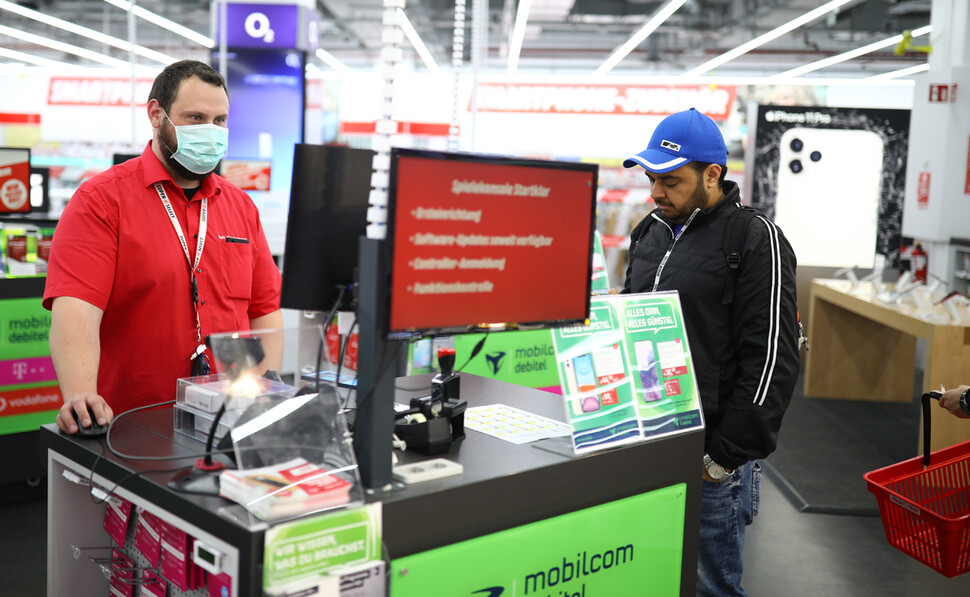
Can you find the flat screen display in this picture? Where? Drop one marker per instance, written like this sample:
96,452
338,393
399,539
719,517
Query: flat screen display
327,217
480,242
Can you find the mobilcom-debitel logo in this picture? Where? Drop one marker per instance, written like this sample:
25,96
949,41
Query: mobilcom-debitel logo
567,579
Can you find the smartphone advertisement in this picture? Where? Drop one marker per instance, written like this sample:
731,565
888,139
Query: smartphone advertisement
801,150
479,241
628,375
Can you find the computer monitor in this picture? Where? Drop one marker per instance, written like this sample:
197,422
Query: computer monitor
327,216
481,242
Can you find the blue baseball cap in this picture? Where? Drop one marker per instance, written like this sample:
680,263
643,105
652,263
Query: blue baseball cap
679,139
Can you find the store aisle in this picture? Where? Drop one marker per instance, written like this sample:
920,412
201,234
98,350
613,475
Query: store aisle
808,555
787,553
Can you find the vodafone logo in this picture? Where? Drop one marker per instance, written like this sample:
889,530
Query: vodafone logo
3,404
13,194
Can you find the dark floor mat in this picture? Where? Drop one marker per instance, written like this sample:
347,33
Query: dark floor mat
826,445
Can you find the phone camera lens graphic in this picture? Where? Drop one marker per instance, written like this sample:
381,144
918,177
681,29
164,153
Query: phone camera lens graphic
796,166
815,156
796,144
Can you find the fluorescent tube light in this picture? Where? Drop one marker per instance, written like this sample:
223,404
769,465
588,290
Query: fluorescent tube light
331,61
164,23
31,59
63,47
772,35
826,62
903,72
518,34
655,21
418,44
97,36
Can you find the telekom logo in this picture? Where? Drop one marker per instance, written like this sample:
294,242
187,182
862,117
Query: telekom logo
20,370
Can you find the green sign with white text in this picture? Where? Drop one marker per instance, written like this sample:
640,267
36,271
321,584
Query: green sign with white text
310,546
629,546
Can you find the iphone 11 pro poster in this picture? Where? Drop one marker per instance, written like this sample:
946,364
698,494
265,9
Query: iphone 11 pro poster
827,202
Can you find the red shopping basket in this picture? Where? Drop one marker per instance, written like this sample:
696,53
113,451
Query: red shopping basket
925,508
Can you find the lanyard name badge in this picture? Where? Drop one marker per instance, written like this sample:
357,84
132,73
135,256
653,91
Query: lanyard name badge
200,363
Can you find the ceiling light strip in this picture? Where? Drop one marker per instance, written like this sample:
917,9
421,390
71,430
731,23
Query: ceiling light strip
31,59
97,36
331,61
518,34
903,72
63,47
164,23
655,21
827,62
772,35
417,42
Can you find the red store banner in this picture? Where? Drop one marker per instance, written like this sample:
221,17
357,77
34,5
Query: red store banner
717,101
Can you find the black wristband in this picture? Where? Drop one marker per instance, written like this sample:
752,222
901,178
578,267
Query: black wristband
965,401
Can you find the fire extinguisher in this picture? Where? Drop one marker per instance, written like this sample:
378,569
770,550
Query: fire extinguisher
918,263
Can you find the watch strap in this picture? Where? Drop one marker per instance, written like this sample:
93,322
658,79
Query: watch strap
965,401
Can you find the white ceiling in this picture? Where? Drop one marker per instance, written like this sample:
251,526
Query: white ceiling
563,36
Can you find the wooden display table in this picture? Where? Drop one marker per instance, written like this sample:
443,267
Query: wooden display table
862,349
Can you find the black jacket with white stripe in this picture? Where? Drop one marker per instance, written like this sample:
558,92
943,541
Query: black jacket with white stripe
745,353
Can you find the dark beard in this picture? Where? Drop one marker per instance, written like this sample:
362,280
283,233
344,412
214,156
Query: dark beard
166,135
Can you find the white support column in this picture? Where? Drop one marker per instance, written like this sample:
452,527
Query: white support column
937,199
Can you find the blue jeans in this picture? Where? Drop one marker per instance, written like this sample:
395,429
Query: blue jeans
726,509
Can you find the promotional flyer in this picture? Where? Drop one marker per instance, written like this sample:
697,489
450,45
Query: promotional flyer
628,375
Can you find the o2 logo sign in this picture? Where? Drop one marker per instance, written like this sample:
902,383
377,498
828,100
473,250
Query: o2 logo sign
257,26
262,25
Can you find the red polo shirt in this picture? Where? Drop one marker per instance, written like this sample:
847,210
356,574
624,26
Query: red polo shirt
115,248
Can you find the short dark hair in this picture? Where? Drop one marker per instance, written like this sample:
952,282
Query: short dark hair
699,167
166,85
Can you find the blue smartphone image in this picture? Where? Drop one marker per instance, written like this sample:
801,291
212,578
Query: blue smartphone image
586,380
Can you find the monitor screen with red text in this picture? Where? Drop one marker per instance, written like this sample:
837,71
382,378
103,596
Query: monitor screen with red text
484,242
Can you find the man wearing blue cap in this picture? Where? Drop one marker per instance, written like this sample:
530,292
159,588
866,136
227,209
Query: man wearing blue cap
741,319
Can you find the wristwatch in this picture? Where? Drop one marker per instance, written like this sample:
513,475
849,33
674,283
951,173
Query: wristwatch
715,470
965,401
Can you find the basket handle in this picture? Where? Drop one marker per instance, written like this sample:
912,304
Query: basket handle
926,424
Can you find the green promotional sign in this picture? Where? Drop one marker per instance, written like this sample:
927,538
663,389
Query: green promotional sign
629,373
29,394
24,328
309,546
526,358
633,544
601,277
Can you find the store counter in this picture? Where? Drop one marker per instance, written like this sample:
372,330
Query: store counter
505,488
862,349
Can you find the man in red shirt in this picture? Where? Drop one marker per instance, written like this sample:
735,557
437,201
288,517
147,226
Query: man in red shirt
153,255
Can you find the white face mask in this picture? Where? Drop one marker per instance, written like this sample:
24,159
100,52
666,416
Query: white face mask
200,146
